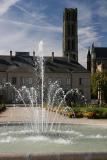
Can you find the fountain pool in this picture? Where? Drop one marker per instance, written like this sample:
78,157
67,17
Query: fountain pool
21,138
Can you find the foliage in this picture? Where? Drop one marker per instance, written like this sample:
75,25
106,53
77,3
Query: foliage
96,113
74,97
99,81
89,111
2,107
78,112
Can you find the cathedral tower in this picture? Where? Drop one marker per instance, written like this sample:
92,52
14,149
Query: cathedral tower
89,60
70,35
93,60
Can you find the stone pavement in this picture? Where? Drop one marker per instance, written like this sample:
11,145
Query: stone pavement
28,114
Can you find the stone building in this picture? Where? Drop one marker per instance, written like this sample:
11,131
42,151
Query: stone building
97,59
21,69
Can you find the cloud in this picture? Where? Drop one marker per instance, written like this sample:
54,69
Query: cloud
24,34
87,35
101,14
37,15
19,36
102,8
46,28
5,5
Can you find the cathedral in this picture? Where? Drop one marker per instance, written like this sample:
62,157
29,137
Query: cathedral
97,59
19,69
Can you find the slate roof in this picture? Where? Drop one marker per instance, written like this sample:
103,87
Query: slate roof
23,60
60,64
101,52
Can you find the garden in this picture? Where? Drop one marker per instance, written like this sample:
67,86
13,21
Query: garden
89,111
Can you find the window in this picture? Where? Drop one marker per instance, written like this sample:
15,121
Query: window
74,16
2,80
80,81
68,30
26,81
21,81
68,81
73,29
59,81
81,91
14,80
30,81
74,56
67,16
69,45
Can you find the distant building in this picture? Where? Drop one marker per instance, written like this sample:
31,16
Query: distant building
21,69
97,59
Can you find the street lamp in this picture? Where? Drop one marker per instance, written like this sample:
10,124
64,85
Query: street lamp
99,93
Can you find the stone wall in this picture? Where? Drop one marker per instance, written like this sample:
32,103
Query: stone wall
65,80
82,82
58,156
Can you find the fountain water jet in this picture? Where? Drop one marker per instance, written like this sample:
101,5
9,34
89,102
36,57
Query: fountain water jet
41,60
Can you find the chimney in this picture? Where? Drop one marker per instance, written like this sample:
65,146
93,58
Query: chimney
33,55
10,54
52,56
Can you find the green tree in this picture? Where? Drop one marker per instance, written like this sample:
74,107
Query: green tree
99,82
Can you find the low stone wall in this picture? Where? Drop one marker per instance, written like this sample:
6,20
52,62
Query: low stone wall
66,156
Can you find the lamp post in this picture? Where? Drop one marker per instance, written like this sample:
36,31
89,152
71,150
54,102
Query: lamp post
99,93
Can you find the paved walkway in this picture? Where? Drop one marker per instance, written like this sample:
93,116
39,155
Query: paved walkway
22,114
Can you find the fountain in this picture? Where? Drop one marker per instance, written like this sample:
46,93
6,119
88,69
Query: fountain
47,132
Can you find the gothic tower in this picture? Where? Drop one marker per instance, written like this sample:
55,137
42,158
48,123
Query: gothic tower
93,60
70,35
89,60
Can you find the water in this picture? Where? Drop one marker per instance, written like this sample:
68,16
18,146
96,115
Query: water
70,138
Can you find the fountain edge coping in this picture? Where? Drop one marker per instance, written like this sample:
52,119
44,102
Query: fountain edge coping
72,123
55,156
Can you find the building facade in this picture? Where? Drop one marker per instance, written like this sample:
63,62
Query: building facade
97,59
21,69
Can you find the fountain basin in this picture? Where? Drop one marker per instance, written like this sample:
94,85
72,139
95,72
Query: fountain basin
60,156
63,138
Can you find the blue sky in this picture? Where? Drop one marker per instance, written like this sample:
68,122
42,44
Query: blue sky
23,23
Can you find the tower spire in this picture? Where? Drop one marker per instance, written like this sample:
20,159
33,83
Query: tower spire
70,37
89,60
93,59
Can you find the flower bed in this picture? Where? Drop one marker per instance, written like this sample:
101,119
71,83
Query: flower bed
91,112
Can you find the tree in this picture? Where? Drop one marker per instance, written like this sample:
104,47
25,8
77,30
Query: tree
99,83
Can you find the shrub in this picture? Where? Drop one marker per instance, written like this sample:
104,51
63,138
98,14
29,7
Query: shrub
104,114
70,114
78,112
96,113
2,107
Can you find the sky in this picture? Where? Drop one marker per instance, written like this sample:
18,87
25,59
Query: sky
24,23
